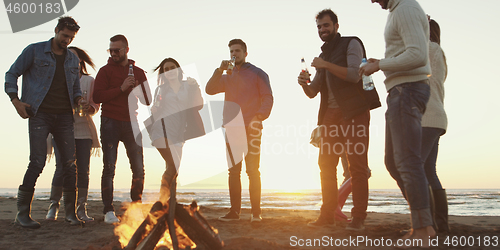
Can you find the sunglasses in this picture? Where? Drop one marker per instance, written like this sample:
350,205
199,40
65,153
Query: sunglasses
110,51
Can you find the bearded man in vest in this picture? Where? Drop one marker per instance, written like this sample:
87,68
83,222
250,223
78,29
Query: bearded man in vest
344,117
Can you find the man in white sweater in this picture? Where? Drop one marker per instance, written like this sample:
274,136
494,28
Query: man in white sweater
407,69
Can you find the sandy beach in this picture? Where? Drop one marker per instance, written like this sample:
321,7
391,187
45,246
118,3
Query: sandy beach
280,229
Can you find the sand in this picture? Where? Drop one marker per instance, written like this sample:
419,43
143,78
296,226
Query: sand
280,229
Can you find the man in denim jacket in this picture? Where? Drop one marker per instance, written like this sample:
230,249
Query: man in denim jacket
50,91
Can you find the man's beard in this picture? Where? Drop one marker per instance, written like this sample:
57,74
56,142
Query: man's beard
61,46
328,38
119,60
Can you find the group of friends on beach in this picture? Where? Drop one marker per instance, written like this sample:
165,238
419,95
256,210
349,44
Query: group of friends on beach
59,98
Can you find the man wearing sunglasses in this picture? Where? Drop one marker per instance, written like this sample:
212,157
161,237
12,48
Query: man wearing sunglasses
50,91
113,85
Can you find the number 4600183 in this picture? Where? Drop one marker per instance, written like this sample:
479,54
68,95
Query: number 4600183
32,8
470,241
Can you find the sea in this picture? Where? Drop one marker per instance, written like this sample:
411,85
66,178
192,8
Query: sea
467,202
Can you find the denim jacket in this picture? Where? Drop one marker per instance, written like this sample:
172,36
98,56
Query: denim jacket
37,65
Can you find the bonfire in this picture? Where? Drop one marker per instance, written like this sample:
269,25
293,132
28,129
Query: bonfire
146,226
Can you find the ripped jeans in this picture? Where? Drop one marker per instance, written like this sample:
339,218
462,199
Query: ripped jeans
61,127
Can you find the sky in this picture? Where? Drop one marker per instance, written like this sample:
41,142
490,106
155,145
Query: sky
278,34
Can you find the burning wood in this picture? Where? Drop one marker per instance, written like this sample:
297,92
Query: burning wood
191,228
156,211
150,242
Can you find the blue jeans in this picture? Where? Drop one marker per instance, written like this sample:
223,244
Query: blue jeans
430,144
112,132
61,127
406,104
83,149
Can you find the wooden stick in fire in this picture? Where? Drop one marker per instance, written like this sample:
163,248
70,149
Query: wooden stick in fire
150,242
141,230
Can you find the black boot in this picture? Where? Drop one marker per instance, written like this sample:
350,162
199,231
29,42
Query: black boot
55,197
81,210
69,207
432,204
23,217
441,210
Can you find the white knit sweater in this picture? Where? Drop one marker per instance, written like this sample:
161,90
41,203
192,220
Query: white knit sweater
84,125
407,44
435,116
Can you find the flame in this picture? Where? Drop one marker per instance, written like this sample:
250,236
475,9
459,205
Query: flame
182,238
132,219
